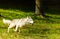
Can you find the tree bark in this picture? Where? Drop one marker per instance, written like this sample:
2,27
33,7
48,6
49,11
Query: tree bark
39,8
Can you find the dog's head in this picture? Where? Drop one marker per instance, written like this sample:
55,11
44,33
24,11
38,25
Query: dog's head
30,20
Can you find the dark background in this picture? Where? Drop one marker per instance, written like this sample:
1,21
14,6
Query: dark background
29,4
17,3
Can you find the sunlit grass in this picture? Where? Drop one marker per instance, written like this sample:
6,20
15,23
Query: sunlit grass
43,28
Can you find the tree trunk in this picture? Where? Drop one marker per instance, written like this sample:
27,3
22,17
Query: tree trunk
39,8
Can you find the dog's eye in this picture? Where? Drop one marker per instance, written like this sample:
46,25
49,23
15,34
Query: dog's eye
27,20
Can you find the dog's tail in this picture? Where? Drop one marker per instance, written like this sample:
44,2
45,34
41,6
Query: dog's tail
3,20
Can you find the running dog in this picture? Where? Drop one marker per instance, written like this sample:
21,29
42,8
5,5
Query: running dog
19,23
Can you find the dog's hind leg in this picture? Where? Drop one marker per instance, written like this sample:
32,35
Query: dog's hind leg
10,26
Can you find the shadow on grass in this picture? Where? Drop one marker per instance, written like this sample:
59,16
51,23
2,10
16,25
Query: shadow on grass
39,32
34,31
44,20
2,27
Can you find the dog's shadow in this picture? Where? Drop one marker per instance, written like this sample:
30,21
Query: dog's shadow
3,27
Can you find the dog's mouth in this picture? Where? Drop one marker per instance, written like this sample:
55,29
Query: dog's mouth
31,23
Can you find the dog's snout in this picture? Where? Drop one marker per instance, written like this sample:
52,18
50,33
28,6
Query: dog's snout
31,23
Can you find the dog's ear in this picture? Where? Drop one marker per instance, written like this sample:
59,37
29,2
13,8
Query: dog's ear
27,17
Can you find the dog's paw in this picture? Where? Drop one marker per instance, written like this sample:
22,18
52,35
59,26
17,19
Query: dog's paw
7,31
15,30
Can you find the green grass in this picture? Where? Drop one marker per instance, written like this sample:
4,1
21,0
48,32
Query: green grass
43,28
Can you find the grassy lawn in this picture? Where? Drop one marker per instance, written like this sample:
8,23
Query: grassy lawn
43,28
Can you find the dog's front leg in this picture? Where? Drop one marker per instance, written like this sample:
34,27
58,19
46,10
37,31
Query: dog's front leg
16,28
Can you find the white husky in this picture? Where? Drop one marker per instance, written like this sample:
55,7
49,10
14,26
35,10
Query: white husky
20,22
